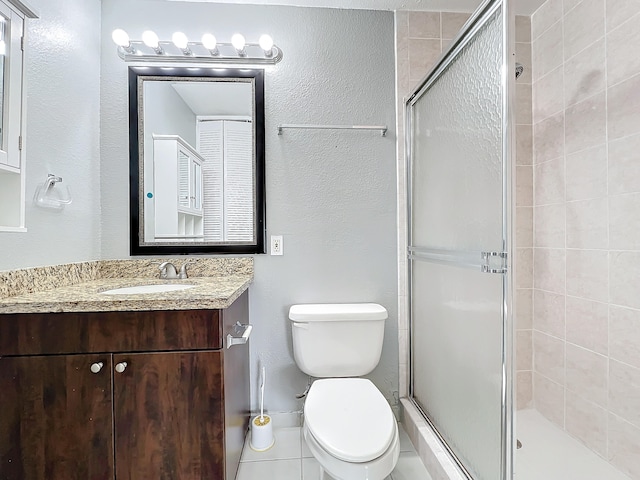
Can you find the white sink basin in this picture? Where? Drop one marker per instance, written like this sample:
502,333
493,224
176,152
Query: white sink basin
157,288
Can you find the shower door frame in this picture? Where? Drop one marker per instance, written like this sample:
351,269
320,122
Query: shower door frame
466,34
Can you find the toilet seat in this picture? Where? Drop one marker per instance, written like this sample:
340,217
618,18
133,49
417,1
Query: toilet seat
349,418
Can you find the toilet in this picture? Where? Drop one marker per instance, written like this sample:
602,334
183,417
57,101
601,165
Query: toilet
348,424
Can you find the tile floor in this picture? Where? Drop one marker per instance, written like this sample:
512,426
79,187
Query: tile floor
290,459
548,453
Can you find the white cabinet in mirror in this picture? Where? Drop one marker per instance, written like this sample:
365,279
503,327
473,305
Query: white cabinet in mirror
12,120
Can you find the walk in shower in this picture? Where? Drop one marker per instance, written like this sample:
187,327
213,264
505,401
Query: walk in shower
459,149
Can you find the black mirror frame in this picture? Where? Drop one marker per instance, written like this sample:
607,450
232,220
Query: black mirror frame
136,247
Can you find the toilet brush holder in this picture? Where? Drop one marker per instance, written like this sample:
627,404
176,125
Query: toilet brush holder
261,433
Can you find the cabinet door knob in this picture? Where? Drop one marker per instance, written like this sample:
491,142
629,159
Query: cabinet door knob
96,367
121,367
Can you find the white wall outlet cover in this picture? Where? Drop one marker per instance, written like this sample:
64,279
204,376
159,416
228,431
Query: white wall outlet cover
276,245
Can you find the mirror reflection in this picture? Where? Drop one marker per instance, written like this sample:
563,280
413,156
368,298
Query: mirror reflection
200,162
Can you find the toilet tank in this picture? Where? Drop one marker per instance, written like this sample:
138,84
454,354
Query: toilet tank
337,340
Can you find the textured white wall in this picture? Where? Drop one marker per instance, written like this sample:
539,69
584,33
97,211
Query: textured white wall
331,194
62,137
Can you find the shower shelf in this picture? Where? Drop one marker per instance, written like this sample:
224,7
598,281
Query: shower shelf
382,128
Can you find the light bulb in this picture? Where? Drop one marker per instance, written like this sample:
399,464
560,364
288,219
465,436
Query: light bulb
209,41
180,40
266,43
120,37
150,39
238,42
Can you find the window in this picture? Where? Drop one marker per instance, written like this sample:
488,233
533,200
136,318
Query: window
12,180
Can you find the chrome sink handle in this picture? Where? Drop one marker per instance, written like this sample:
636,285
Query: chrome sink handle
168,270
183,269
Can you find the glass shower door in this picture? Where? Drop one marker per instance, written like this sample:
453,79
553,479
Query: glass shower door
459,141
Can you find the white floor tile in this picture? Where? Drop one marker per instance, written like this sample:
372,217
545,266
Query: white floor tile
273,469
410,467
310,469
551,454
286,446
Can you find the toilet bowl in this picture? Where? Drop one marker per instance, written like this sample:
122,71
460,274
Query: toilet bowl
348,424
350,429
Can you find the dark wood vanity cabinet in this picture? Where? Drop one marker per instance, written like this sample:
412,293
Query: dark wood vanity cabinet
125,395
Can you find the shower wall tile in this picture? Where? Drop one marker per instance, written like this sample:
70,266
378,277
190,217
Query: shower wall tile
549,182
523,29
452,23
587,224
623,44
524,145
549,309
546,51
424,25
549,230
524,227
624,335
423,52
582,26
523,55
548,14
587,160
587,274
524,267
584,74
524,390
624,446
523,104
624,222
585,123
524,349
586,374
619,11
586,173
624,392
524,186
587,324
548,398
623,109
548,97
549,265
625,279
587,422
624,165
549,358
524,308
548,138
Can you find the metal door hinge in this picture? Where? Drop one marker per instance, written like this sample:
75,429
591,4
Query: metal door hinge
22,43
494,262
20,142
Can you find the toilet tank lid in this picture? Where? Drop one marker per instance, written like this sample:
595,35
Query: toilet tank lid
332,312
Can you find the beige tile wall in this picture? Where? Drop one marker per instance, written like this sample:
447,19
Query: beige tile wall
420,39
586,196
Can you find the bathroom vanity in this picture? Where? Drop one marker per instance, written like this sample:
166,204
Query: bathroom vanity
127,394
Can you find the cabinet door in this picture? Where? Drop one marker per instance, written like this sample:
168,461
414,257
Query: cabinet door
55,418
169,416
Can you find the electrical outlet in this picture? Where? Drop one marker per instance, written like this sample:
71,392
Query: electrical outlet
276,245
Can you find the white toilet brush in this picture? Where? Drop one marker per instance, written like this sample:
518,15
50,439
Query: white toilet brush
261,426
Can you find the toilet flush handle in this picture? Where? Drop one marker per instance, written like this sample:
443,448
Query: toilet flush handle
244,338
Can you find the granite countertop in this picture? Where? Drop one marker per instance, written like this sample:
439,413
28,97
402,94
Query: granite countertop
218,289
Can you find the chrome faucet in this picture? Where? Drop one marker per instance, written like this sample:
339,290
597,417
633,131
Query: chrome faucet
168,270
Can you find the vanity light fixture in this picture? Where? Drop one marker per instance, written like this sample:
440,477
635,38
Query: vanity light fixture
121,38
150,39
208,50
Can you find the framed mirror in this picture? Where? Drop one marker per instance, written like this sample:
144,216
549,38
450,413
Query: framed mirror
196,142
